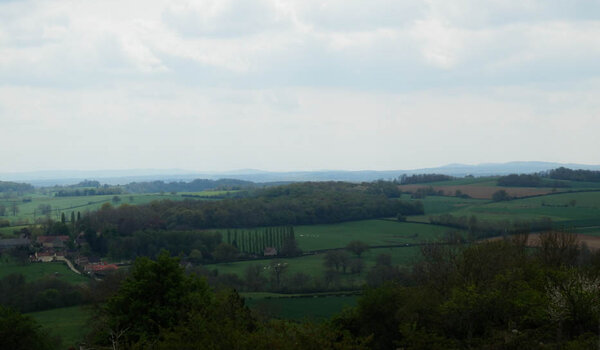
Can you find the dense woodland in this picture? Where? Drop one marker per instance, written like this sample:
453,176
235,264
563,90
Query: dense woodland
7,186
529,180
423,178
574,175
197,185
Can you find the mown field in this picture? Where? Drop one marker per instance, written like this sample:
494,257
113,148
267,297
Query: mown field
69,323
372,232
313,265
317,238
575,209
36,271
300,307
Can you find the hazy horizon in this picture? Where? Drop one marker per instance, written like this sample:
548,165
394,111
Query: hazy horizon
224,171
297,85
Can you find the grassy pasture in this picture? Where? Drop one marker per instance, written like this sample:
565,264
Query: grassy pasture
372,232
312,265
302,308
36,271
444,204
68,323
572,209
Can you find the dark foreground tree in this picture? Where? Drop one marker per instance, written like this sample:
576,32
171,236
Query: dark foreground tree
156,296
160,307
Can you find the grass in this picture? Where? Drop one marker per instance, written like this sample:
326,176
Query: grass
36,271
68,323
574,209
312,265
372,232
445,204
302,308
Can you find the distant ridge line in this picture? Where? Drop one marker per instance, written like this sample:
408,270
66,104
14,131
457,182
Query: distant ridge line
121,177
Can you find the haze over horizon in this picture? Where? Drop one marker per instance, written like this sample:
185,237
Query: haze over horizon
297,85
174,171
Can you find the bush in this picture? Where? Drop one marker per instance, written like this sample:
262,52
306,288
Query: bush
501,195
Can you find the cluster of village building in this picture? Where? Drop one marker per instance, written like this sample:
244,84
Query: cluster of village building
55,248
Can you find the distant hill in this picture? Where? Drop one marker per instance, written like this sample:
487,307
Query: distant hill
122,177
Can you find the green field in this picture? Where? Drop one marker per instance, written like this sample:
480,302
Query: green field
372,232
36,271
574,209
68,323
301,308
313,265
445,204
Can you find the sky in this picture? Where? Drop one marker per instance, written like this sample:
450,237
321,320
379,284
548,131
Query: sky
215,85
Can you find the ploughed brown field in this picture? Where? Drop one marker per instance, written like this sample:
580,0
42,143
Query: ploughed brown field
480,192
533,240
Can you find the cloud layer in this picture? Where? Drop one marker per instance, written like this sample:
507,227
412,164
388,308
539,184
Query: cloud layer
223,84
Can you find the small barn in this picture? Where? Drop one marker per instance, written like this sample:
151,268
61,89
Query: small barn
270,251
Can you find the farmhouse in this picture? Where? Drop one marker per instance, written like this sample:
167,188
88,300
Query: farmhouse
48,256
53,241
270,251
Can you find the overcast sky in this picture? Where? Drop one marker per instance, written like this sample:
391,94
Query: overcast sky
297,85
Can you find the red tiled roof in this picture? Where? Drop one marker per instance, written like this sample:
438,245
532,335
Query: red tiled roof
101,267
45,254
50,239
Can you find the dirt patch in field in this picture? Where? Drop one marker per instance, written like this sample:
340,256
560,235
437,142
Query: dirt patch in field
533,240
480,192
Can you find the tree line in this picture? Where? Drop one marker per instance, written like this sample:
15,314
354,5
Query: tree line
423,178
100,191
197,185
563,173
9,186
529,180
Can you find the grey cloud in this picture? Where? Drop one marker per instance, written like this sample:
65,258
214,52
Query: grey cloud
351,44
